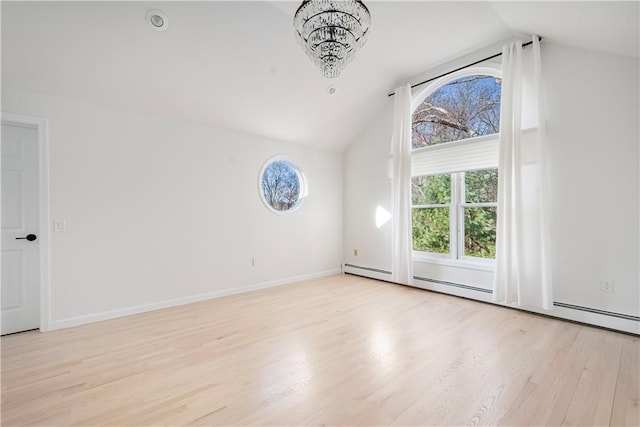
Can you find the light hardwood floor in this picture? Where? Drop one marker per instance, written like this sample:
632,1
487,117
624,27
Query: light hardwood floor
338,350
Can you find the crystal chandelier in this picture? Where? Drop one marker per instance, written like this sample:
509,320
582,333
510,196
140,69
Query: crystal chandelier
332,32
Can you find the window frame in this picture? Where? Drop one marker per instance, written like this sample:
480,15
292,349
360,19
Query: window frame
462,204
302,183
456,206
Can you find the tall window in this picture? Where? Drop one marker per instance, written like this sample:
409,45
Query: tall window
454,188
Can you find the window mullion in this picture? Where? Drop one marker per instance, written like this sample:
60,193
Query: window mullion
460,210
453,217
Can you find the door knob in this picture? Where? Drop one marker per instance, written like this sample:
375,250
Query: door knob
29,237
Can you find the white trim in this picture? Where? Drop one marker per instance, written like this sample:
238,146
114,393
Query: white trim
121,312
42,127
468,263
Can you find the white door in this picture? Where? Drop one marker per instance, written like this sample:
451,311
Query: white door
20,266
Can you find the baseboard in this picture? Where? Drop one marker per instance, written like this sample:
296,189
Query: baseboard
128,311
586,315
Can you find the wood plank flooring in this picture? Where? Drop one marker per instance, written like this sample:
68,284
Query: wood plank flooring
341,350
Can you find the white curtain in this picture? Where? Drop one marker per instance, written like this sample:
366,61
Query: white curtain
402,267
523,275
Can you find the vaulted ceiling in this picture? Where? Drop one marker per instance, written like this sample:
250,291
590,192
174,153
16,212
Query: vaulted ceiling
237,65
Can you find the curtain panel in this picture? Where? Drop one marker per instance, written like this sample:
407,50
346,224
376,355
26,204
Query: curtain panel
522,276
402,267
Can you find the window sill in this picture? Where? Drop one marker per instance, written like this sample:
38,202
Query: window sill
468,264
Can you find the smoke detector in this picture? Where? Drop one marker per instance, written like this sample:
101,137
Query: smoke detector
157,20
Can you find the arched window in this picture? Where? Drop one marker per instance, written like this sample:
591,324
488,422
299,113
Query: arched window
455,127
466,107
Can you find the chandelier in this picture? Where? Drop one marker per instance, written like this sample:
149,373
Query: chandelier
332,32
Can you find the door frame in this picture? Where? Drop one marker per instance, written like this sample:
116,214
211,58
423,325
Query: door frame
41,126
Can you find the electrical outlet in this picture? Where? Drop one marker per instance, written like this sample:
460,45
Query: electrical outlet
355,252
60,225
607,286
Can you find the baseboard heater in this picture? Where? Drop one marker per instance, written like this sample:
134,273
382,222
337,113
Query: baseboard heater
555,303
596,311
386,275
376,270
456,285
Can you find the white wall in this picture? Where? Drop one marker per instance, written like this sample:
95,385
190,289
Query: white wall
367,187
592,109
160,210
593,130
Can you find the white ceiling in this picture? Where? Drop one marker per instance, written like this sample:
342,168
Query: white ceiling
237,65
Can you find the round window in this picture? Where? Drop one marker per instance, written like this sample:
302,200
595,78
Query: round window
282,186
